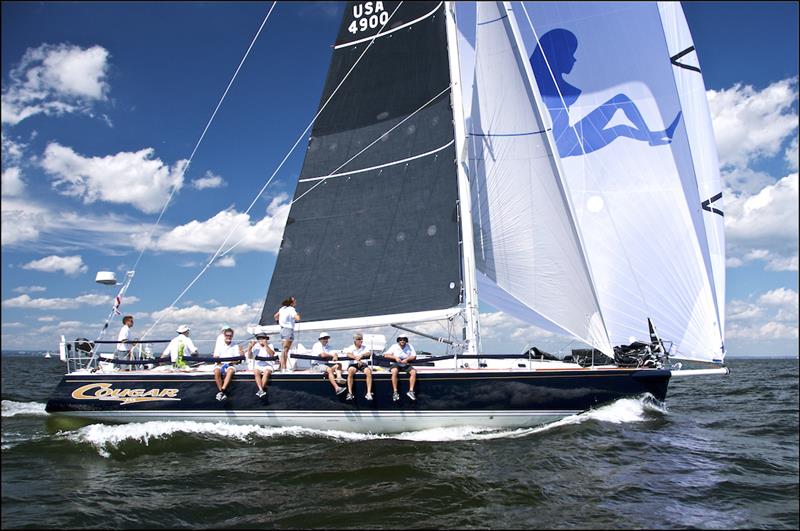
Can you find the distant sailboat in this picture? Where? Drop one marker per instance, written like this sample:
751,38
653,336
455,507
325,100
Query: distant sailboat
48,354
412,203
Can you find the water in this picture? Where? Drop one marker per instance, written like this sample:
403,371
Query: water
722,453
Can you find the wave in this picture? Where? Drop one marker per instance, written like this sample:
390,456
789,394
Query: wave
105,438
30,409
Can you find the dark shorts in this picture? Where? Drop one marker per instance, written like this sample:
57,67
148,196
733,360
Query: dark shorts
360,366
402,367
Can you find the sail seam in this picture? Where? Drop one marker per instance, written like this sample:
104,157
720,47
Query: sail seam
511,134
494,20
378,35
351,159
393,163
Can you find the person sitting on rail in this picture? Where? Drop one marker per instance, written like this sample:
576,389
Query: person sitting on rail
359,354
227,350
322,349
402,353
262,369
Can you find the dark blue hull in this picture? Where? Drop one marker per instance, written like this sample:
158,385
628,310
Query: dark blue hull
466,397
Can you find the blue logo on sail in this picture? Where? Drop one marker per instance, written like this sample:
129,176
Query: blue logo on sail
553,58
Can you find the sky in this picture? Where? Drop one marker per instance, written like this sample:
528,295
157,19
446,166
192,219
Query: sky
103,105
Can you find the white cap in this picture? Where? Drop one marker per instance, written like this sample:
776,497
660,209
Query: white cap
182,328
324,334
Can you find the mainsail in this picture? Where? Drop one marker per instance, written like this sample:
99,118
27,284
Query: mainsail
527,246
637,152
377,236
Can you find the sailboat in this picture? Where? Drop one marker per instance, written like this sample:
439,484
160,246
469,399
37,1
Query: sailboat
48,355
447,165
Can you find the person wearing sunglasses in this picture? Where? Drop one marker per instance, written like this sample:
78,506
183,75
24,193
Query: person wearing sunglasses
402,354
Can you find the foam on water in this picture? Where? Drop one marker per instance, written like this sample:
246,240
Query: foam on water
105,437
32,409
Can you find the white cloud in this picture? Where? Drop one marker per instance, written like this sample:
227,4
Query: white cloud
764,226
62,303
205,322
785,300
21,221
70,265
225,261
750,124
207,236
46,319
55,79
769,315
30,289
12,150
12,183
133,178
791,155
209,180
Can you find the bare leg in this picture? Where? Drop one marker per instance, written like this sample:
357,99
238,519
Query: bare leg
394,379
368,372
228,377
287,344
351,372
412,379
265,378
329,372
218,378
257,376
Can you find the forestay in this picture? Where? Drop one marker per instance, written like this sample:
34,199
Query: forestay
377,237
637,153
527,246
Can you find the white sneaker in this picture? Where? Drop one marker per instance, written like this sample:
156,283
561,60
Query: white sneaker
368,396
341,390
221,396
411,395
260,393
350,396
395,396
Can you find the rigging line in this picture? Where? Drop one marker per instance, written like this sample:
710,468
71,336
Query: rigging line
301,137
203,134
323,179
196,146
261,192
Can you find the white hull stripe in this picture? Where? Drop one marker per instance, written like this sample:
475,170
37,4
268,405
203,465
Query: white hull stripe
380,166
378,35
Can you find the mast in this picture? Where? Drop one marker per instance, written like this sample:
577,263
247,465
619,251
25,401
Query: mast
470,286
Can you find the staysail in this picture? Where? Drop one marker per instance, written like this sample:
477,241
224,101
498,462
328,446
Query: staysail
376,234
638,179
527,246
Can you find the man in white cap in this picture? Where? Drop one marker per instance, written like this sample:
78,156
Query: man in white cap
322,350
179,347
402,354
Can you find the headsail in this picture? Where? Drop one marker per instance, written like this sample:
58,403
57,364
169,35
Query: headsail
605,74
377,236
702,146
527,247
